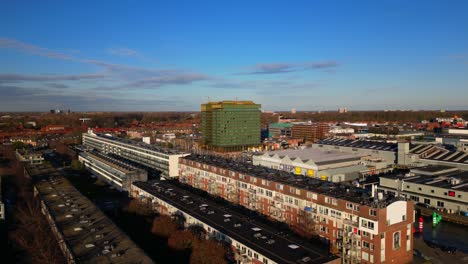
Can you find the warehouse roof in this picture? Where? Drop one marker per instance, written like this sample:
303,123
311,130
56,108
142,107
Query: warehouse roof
366,144
319,157
455,180
438,153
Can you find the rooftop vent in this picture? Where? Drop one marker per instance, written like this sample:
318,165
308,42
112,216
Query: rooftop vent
455,181
292,246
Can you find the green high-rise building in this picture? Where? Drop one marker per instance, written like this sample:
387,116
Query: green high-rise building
230,125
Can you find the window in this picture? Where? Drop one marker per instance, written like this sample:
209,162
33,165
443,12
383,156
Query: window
396,240
427,201
367,224
255,255
373,212
327,200
279,186
265,261
365,244
334,202
440,204
414,198
349,206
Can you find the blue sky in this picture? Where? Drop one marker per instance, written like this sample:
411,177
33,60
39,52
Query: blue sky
173,55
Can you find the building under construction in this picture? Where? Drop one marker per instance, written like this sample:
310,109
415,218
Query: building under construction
230,125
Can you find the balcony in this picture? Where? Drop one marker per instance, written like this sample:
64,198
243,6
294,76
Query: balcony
278,198
351,223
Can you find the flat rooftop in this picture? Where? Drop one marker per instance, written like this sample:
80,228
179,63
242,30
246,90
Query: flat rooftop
317,156
433,170
457,181
91,236
366,144
283,247
344,191
139,144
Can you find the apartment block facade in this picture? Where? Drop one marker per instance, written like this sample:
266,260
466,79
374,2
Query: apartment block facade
230,125
158,158
377,230
310,132
114,171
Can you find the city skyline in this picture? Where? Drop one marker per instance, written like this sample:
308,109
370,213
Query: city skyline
172,56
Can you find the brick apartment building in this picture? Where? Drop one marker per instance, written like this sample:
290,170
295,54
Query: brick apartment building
310,132
371,230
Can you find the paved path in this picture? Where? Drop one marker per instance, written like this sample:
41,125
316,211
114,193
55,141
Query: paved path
436,255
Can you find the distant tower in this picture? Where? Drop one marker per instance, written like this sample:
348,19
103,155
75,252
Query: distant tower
293,110
343,110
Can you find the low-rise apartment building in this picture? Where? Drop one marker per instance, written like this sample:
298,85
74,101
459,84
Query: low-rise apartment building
114,171
366,229
83,232
29,156
158,158
251,241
